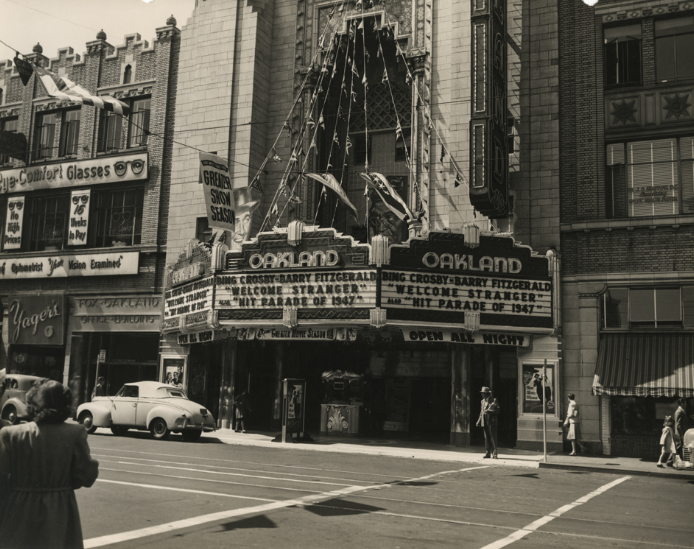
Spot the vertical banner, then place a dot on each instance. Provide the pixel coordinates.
(79, 217)
(12, 239)
(219, 195)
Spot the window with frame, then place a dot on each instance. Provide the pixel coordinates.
(674, 44)
(45, 136)
(650, 178)
(10, 125)
(70, 132)
(622, 52)
(139, 122)
(118, 215)
(648, 308)
(46, 220)
(110, 131)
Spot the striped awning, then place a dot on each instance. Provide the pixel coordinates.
(645, 365)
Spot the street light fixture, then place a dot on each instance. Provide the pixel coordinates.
(588, 2)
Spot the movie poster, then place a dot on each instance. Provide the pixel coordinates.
(533, 389)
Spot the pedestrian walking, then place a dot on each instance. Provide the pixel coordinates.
(242, 409)
(99, 388)
(667, 442)
(574, 424)
(488, 420)
(681, 425)
(42, 463)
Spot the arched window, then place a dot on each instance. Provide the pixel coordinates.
(127, 74)
(1, 96)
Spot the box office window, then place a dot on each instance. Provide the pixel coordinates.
(118, 215)
(70, 133)
(622, 55)
(648, 308)
(46, 220)
(674, 43)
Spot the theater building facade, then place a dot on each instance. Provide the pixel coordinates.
(390, 340)
(83, 216)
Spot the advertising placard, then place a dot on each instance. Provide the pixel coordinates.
(441, 278)
(533, 392)
(69, 265)
(302, 334)
(294, 416)
(478, 338)
(37, 319)
(312, 290)
(115, 314)
(218, 190)
(195, 297)
(76, 173)
(12, 239)
(79, 217)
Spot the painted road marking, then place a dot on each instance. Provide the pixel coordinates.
(158, 461)
(215, 480)
(228, 474)
(155, 487)
(223, 515)
(530, 528)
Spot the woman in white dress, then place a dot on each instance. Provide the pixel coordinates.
(574, 424)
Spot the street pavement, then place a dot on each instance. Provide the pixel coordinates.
(173, 494)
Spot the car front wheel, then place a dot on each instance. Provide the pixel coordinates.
(159, 429)
(10, 414)
(86, 419)
(191, 436)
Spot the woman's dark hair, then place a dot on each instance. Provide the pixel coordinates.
(681, 401)
(49, 402)
(572, 396)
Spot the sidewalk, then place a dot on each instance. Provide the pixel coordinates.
(415, 449)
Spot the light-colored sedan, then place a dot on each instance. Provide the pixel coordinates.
(13, 404)
(147, 405)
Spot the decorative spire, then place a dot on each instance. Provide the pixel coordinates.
(171, 21)
(101, 35)
(37, 48)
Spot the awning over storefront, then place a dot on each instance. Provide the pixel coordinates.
(645, 365)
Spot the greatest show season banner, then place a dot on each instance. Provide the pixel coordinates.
(441, 278)
(219, 195)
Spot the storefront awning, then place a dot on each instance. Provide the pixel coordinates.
(645, 365)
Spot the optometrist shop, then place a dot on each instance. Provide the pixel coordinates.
(391, 341)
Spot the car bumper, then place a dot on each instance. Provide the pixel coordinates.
(192, 425)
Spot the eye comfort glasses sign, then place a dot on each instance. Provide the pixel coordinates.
(112, 169)
(79, 217)
(12, 239)
(219, 194)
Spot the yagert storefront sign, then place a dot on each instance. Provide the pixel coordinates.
(36, 319)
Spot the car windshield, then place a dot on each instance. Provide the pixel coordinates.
(128, 391)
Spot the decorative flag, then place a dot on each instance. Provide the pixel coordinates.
(310, 123)
(255, 184)
(385, 76)
(458, 179)
(390, 197)
(275, 157)
(321, 122)
(443, 153)
(354, 69)
(329, 181)
(348, 145)
(63, 88)
(336, 139)
(24, 68)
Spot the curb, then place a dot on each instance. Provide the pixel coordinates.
(587, 468)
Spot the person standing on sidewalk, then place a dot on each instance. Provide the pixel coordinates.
(242, 408)
(574, 424)
(681, 426)
(488, 421)
(42, 463)
(667, 442)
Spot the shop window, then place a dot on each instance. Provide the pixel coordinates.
(622, 55)
(46, 218)
(139, 122)
(70, 133)
(648, 308)
(10, 125)
(650, 178)
(44, 136)
(118, 216)
(110, 131)
(674, 43)
(402, 146)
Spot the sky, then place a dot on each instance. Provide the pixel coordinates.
(62, 23)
